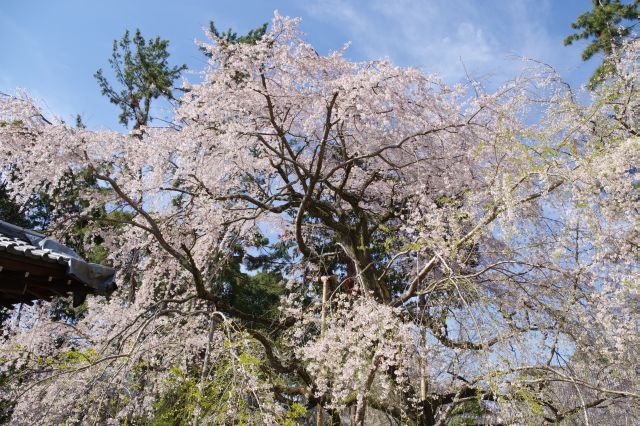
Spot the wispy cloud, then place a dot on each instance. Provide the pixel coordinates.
(441, 36)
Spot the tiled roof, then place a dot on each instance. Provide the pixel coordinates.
(18, 247)
(32, 246)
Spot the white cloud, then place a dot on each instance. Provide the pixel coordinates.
(439, 36)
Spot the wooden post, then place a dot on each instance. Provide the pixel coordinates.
(325, 296)
(323, 325)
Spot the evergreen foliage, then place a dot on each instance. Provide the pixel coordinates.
(607, 24)
(143, 72)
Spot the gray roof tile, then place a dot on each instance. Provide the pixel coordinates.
(19, 241)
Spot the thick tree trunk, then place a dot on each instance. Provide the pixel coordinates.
(367, 273)
(428, 417)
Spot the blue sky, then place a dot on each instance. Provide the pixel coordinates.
(53, 48)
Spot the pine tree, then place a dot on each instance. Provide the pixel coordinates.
(607, 24)
(142, 69)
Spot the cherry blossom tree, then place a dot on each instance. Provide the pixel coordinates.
(452, 254)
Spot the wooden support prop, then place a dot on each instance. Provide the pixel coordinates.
(326, 279)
